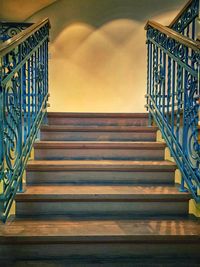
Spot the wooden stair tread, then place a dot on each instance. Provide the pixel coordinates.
(60, 229)
(98, 128)
(108, 192)
(100, 165)
(96, 115)
(99, 144)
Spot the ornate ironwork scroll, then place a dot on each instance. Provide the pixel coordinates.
(23, 102)
(185, 23)
(173, 93)
(9, 29)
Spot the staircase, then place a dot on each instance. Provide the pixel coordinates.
(100, 193)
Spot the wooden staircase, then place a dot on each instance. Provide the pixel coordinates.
(100, 193)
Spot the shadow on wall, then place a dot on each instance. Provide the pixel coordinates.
(98, 53)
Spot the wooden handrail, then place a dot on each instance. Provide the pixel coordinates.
(195, 45)
(13, 23)
(8, 45)
(180, 13)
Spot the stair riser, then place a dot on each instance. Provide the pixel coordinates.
(97, 254)
(98, 154)
(106, 209)
(97, 136)
(98, 121)
(99, 177)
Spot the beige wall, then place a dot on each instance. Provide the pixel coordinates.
(98, 54)
(19, 10)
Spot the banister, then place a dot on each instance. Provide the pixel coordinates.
(180, 13)
(23, 105)
(9, 29)
(173, 34)
(173, 93)
(8, 45)
(188, 19)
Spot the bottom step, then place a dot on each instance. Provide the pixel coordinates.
(103, 241)
(116, 262)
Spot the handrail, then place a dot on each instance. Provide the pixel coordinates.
(8, 45)
(174, 35)
(186, 20)
(180, 13)
(9, 29)
(173, 93)
(23, 105)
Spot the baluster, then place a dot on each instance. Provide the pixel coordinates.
(31, 89)
(23, 82)
(46, 65)
(34, 83)
(173, 114)
(159, 81)
(155, 73)
(29, 96)
(149, 78)
(43, 70)
(169, 84)
(193, 31)
(187, 30)
(179, 102)
(39, 81)
(1, 140)
(32, 86)
(163, 84)
(185, 126)
(150, 70)
(20, 131)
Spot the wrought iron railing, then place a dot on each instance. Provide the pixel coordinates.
(9, 29)
(23, 102)
(173, 91)
(187, 21)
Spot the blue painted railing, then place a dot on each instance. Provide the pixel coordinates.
(187, 20)
(173, 93)
(23, 103)
(9, 29)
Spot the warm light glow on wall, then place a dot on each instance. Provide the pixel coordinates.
(98, 68)
(98, 53)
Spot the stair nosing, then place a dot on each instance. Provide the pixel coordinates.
(97, 165)
(91, 128)
(99, 145)
(96, 115)
(101, 196)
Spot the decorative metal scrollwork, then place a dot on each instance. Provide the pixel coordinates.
(23, 102)
(9, 29)
(185, 23)
(173, 100)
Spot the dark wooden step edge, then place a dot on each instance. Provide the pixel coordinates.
(96, 115)
(51, 166)
(115, 129)
(112, 239)
(101, 198)
(99, 145)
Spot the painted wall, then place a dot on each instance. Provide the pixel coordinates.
(98, 53)
(19, 10)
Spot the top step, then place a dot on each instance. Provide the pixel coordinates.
(121, 119)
